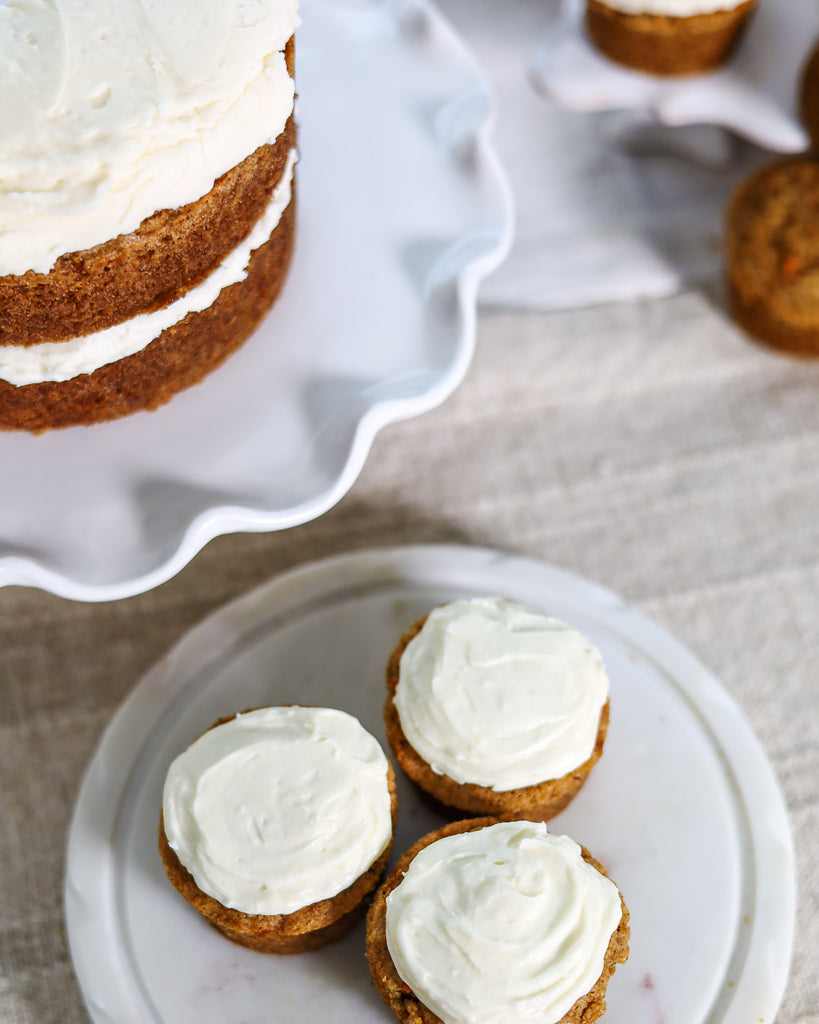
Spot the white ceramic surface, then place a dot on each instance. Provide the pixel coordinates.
(683, 808)
(402, 210)
(754, 94)
(612, 206)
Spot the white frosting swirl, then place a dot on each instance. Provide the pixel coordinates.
(499, 695)
(113, 109)
(673, 8)
(279, 808)
(64, 360)
(505, 925)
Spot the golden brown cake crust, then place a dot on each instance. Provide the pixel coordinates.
(169, 253)
(809, 97)
(539, 802)
(309, 928)
(180, 357)
(664, 45)
(400, 998)
(772, 255)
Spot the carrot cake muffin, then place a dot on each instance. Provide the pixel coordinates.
(486, 921)
(667, 37)
(277, 823)
(146, 183)
(809, 96)
(494, 708)
(772, 255)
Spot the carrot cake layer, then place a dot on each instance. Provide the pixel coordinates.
(146, 171)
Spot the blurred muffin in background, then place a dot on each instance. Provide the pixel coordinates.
(772, 255)
(809, 97)
(667, 37)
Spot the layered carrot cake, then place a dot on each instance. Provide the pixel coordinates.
(147, 156)
(496, 708)
(486, 921)
(667, 37)
(277, 823)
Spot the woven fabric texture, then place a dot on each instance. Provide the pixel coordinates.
(646, 446)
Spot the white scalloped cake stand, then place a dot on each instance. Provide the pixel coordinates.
(754, 95)
(683, 808)
(402, 210)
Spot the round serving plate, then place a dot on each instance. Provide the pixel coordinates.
(754, 95)
(683, 808)
(402, 209)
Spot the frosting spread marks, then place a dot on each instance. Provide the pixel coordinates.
(507, 923)
(279, 808)
(499, 695)
(113, 109)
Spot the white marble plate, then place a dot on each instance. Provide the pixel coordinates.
(754, 95)
(402, 210)
(683, 808)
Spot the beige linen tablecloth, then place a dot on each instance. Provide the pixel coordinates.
(646, 446)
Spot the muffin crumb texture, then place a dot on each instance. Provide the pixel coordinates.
(772, 255)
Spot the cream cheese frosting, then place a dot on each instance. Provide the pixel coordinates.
(504, 925)
(63, 360)
(114, 109)
(279, 808)
(672, 8)
(499, 695)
